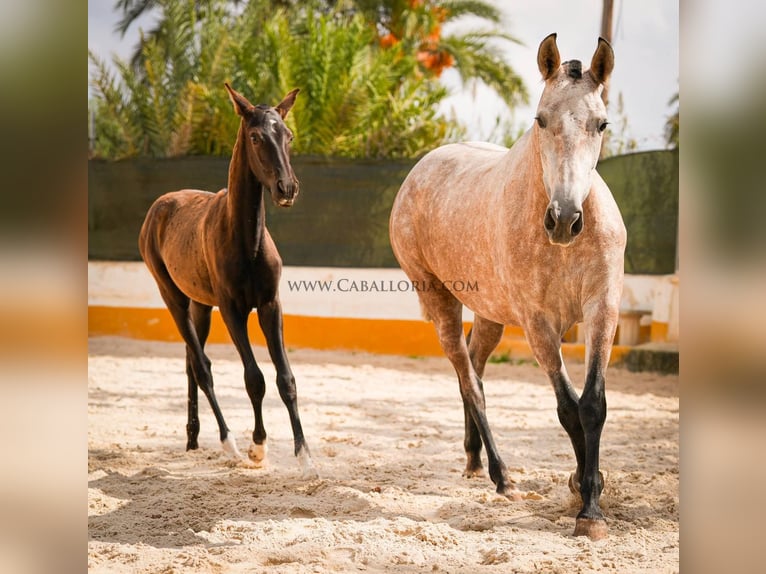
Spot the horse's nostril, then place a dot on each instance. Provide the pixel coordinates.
(288, 188)
(550, 219)
(576, 226)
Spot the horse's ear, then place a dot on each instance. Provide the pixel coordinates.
(287, 103)
(548, 58)
(602, 64)
(241, 105)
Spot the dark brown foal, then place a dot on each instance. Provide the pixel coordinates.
(206, 250)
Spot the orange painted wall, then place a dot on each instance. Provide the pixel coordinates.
(387, 336)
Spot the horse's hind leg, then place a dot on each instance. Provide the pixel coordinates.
(179, 306)
(482, 340)
(446, 312)
(200, 316)
(270, 320)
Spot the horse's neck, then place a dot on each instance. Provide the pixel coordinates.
(245, 205)
(523, 172)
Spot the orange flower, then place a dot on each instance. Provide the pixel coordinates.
(440, 13)
(435, 61)
(435, 33)
(388, 40)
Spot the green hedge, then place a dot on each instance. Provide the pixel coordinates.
(341, 216)
(645, 186)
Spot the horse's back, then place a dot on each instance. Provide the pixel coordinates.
(189, 202)
(171, 241)
(176, 210)
(452, 161)
(438, 192)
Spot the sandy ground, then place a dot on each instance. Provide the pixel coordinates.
(386, 435)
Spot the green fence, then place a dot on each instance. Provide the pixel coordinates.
(645, 186)
(341, 216)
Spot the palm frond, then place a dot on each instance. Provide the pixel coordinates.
(483, 10)
(131, 11)
(477, 59)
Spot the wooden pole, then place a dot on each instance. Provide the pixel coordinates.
(607, 13)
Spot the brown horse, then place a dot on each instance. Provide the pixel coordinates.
(538, 231)
(206, 249)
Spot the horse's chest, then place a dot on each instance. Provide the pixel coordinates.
(262, 283)
(512, 294)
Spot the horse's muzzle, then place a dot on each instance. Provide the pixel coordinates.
(286, 192)
(562, 225)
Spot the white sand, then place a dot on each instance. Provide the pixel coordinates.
(386, 435)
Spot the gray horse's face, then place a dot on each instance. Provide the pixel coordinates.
(571, 118)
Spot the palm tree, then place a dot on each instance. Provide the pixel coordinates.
(159, 108)
(416, 27)
(361, 97)
(412, 26)
(357, 100)
(134, 9)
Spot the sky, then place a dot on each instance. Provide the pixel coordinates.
(645, 42)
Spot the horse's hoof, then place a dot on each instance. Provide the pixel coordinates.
(257, 452)
(511, 493)
(192, 445)
(230, 447)
(595, 529)
(308, 472)
(477, 472)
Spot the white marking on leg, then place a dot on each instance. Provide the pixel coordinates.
(307, 465)
(230, 447)
(258, 452)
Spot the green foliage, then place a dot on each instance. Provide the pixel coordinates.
(157, 106)
(477, 58)
(505, 357)
(358, 98)
(617, 139)
(673, 123)
(497, 358)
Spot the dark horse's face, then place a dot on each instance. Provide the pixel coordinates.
(268, 145)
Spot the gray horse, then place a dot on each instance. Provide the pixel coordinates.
(538, 231)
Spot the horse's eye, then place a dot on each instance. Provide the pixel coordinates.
(602, 126)
(255, 138)
(540, 121)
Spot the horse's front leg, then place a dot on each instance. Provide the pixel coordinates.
(584, 431)
(235, 319)
(270, 320)
(601, 327)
